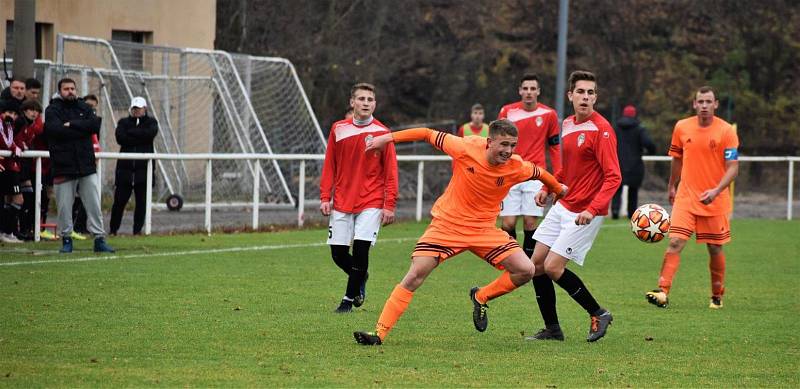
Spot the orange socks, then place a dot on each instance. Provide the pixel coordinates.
(716, 265)
(668, 270)
(395, 306)
(496, 288)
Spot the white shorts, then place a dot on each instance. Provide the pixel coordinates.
(343, 228)
(559, 231)
(521, 200)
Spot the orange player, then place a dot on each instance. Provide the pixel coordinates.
(464, 218)
(704, 163)
(476, 126)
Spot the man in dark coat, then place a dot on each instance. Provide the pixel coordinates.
(69, 126)
(632, 141)
(135, 134)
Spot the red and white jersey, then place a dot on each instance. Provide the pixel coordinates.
(358, 180)
(538, 129)
(591, 168)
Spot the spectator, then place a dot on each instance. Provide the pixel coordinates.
(33, 89)
(633, 140)
(78, 210)
(9, 174)
(69, 126)
(14, 94)
(135, 134)
(28, 126)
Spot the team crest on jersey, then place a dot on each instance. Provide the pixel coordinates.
(500, 181)
(539, 121)
(368, 139)
(712, 144)
(581, 139)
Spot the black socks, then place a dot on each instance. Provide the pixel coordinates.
(573, 285)
(358, 270)
(528, 243)
(546, 298)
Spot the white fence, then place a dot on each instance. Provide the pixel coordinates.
(302, 158)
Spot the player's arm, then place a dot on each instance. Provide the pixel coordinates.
(328, 174)
(554, 142)
(606, 155)
(676, 166)
(731, 171)
(731, 155)
(551, 189)
(390, 185)
(449, 143)
(674, 178)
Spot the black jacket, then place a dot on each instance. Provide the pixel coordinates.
(71, 149)
(632, 139)
(134, 135)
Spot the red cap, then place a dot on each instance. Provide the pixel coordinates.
(629, 111)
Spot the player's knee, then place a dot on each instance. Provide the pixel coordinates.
(529, 272)
(676, 244)
(553, 269)
(714, 249)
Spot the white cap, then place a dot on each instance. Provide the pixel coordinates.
(138, 102)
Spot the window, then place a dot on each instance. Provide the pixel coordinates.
(131, 57)
(44, 40)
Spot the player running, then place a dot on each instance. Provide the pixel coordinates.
(704, 163)
(591, 170)
(484, 169)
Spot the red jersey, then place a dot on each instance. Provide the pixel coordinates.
(591, 168)
(358, 180)
(7, 143)
(537, 129)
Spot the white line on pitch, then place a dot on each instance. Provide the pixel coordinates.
(193, 252)
(181, 253)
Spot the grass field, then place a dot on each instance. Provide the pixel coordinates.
(256, 310)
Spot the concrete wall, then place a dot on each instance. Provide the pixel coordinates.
(179, 23)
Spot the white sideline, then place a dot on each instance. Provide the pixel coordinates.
(181, 253)
(209, 251)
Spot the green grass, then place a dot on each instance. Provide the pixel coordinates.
(264, 317)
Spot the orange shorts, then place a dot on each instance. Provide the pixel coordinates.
(709, 229)
(442, 241)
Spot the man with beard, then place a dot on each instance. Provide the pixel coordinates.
(69, 126)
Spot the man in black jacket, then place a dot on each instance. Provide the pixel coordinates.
(135, 134)
(69, 126)
(633, 139)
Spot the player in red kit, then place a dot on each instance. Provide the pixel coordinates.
(538, 130)
(591, 170)
(364, 187)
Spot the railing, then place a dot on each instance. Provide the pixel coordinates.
(209, 158)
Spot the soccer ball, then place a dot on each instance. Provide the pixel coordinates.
(650, 223)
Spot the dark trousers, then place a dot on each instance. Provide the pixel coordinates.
(122, 193)
(79, 217)
(633, 200)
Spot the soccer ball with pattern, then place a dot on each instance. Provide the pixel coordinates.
(650, 223)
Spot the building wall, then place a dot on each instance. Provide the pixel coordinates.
(179, 23)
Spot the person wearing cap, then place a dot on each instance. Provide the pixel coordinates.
(633, 140)
(69, 125)
(135, 134)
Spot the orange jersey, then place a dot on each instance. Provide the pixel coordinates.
(473, 196)
(704, 151)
